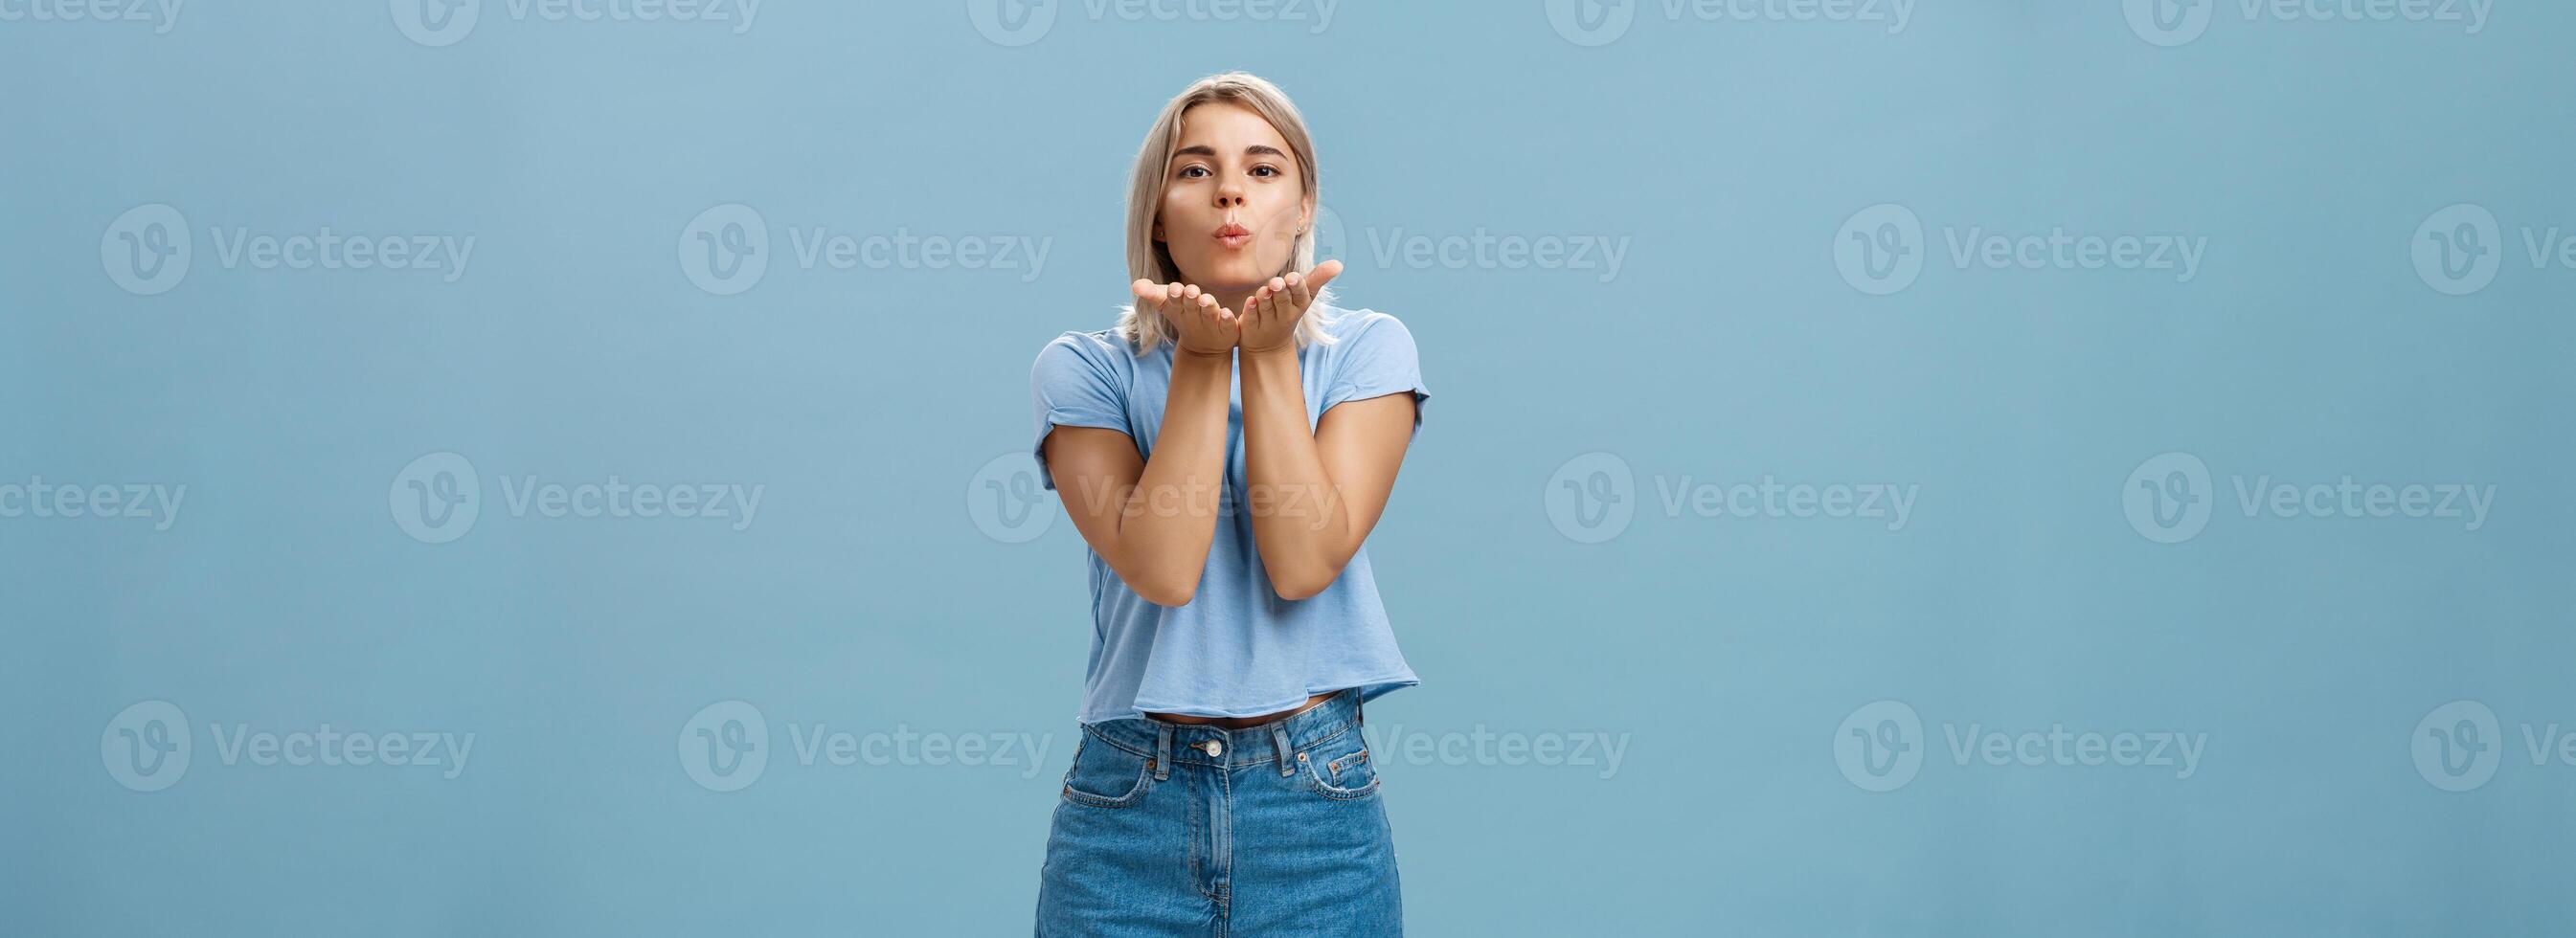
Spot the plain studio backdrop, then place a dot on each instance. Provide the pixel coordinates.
(1974, 468)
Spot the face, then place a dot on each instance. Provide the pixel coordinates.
(1233, 200)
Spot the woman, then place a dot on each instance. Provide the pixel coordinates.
(1222, 784)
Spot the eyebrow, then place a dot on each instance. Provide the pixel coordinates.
(1258, 149)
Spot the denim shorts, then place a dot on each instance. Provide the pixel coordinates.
(1171, 829)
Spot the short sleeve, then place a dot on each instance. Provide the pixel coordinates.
(1378, 359)
(1073, 384)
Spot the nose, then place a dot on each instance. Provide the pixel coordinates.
(1229, 194)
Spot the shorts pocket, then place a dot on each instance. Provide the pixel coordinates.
(1106, 776)
(1340, 768)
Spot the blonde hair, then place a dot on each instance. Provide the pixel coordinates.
(1148, 259)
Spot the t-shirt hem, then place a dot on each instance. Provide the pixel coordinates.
(1394, 682)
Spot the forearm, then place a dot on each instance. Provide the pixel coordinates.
(1168, 521)
(1300, 524)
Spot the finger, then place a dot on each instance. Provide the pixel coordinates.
(1298, 293)
(1322, 274)
(1146, 291)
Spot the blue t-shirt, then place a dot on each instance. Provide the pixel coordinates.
(1236, 649)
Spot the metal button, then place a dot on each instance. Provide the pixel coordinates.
(1214, 748)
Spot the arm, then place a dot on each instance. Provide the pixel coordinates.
(1314, 496)
(1154, 520)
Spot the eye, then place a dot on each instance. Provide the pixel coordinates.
(1265, 169)
(1186, 171)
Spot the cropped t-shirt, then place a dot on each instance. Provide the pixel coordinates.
(1236, 649)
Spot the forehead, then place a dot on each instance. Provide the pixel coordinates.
(1227, 122)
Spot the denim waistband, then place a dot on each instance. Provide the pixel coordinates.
(1167, 743)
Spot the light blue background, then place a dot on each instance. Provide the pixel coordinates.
(867, 596)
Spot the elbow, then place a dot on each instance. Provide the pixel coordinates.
(1167, 588)
(1168, 595)
(1303, 585)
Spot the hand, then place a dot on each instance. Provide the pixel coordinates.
(1205, 328)
(1270, 316)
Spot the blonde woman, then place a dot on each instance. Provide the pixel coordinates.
(1225, 450)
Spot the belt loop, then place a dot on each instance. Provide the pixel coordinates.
(1163, 752)
(1279, 743)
